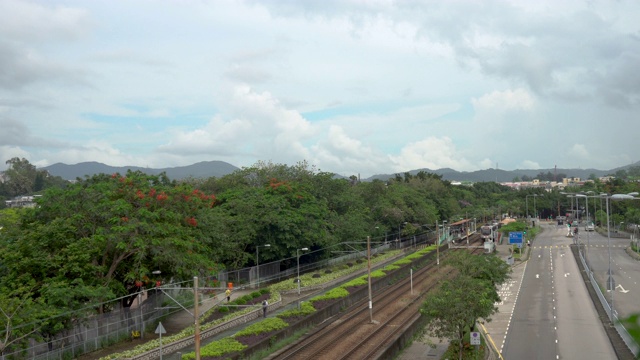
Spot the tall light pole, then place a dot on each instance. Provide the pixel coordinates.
(298, 257)
(369, 278)
(258, 263)
(610, 287)
(535, 212)
(610, 283)
(438, 245)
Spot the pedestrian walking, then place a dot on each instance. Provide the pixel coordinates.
(265, 305)
(228, 294)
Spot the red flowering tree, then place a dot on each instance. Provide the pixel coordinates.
(102, 238)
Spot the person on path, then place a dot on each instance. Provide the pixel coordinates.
(265, 305)
(228, 294)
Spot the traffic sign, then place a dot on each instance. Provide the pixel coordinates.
(160, 329)
(515, 237)
(475, 338)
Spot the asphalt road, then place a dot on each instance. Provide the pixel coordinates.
(625, 270)
(554, 317)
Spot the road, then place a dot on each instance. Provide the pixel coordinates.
(625, 270)
(554, 317)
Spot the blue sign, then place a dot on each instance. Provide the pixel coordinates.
(515, 237)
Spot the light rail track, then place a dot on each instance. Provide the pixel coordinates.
(354, 336)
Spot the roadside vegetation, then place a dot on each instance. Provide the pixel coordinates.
(102, 237)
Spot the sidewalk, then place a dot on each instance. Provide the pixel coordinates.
(173, 324)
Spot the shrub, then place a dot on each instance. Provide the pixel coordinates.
(217, 348)
(390, 267)
(328, 271)
(240, 301)
(306, 308)
(255, 294)
(223, 309)
(246, 298)
(266, 325)
(336, 293)
(356, 282)
(315, 276)
(264, 291)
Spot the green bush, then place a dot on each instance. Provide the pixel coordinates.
(240, 301)
(264, 326)
(306, 308)
(402, 262)
(217, 348)
(264, 291)
(246, 298)
(356, 282)
(255, 294)
(223, 309)
(336, 293)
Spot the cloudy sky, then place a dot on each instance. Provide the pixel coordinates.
(351, 86)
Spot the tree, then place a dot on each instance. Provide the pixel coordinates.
(452, 310)
(485, 267)
(21, 177)
(100, 239)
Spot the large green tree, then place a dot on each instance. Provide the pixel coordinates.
(101, 239)
(453, 309)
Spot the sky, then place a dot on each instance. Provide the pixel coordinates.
(351, 86)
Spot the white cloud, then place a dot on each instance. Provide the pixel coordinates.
(351, 86)
(433, 153)
(579, 151)
(528, 164)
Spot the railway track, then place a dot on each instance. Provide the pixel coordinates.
(355, 336)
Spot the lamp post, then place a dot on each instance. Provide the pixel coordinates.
(400, 233)
(610, 278)
(258, 263)
(298, 257)
(586, 198)
(526, 198)
(610, 283)
(438, 245)
(535, 211)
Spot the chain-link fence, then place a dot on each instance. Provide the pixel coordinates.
(148, 307)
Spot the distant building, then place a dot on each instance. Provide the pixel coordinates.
(22, 201)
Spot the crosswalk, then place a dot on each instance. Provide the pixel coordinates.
(562, 246)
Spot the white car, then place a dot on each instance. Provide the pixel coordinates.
(590, 227)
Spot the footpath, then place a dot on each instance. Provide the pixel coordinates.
(430, 348)
(178, 321)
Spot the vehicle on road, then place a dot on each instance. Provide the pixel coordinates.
(590, 227)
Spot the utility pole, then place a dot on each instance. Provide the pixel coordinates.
(196, 334)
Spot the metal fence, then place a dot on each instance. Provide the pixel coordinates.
(92, 333)
(613, 316)
(95, 332)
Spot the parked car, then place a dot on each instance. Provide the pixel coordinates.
(590, 227)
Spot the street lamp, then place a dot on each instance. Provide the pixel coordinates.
(526, 198)
(298, 257)
(258, 263)
(586, 198)
(535, 211)
(610, 283)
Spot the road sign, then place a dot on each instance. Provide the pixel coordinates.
(475, 338)
(515, 237)
(160, 329)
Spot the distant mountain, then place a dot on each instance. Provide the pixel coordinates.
(498, 175)
(203, 169)
(208, 169)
